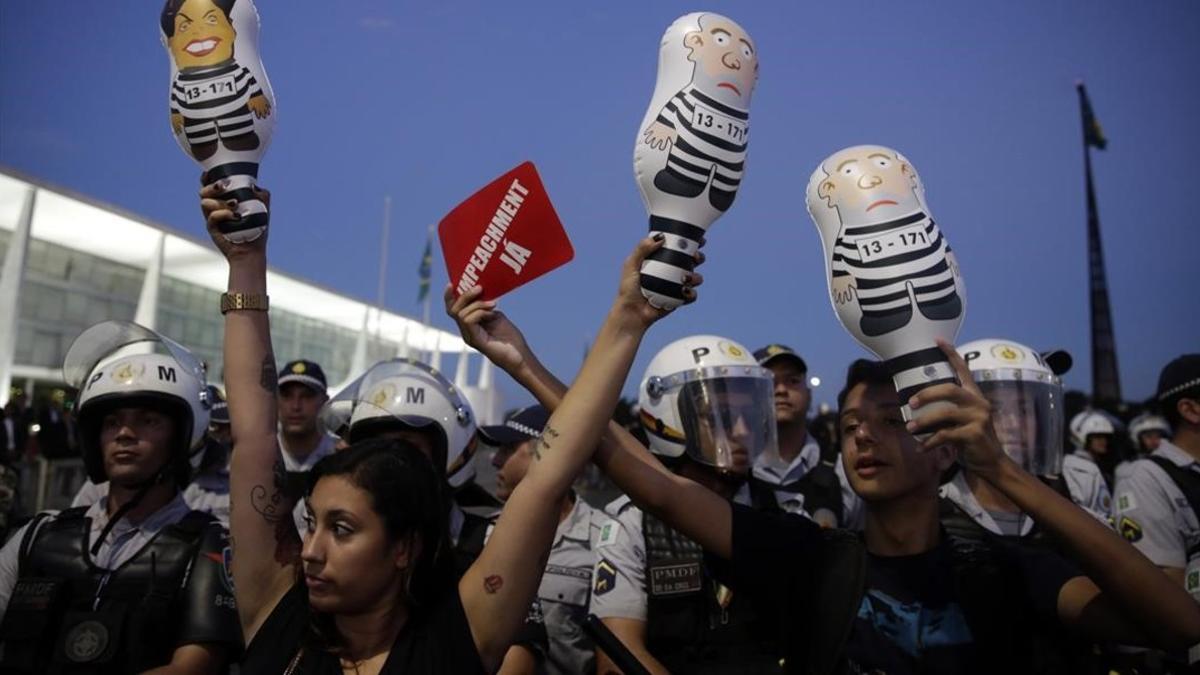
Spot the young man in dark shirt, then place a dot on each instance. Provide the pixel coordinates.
(918, 601)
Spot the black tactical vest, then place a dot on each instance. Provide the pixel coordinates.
(820, 488)
(67, 615)
(692, 625)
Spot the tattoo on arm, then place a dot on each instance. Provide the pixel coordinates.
(493, 583)
(268, 377)
(274, 506)
(542, 442)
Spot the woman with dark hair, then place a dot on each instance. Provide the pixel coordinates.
(371, 589)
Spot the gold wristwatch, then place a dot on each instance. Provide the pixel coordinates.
(254, 301)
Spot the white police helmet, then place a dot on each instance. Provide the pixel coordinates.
(1147, 422)
(1026, 394)
(707, 396)
(407, 393)
(1091, 423)
(118, 364)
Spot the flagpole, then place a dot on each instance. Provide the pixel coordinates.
(1106, 383)
(383, 261)
(429, 292)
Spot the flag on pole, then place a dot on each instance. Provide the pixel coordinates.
(425, 271)
(1093, 135)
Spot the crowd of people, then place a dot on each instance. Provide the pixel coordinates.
(267, 527)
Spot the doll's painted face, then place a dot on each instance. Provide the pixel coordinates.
(725, 58)
(868, 184)
(203, 35)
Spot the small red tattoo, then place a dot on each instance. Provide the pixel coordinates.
(493, 583)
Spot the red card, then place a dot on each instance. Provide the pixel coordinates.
(504, 236)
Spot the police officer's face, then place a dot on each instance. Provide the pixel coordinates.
(512, 462)
(882, 460)
(1150, 440)
(350, 564)
(727, 445)
(299, 406)
(1015, 420)
(792, 396)
(136, 443)
(1097, 444)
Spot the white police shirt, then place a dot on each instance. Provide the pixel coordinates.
(565, 588)
(959, 492)
(1086, 484)
(122, 543)
(208, 493)
(1152, 513)
(619, 579)
(292, 465)
(771, 469)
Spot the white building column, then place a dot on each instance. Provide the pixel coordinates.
(10, 292)
(461, 369)
(147, 307)
(435, 357)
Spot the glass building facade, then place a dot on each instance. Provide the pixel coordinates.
(74, 276)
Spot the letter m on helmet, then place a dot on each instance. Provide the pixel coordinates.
(415, 395)
(166, 374)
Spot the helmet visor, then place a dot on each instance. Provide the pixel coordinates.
(1028, 418)
(728, 421)
(335, 415)
(111, 339)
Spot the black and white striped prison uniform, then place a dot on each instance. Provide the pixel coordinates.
(213, 101)
(706, 142)
(882, 279)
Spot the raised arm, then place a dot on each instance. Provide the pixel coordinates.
(683, 504)
(1124, 597)
(497, 589)
(265, 542)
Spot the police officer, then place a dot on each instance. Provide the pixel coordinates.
(1147, 431)
(302, 441)
(209, 490)
(566, 584)
(707, 407)
(1025, 390)
(1092, 435)
(137, 580)
(1158, 501)
(806, 477)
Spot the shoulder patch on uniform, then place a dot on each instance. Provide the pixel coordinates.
(609, 532)
(1129, 528)
(1126, 502)
(606, 577)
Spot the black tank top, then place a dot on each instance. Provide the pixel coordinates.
(438, 642)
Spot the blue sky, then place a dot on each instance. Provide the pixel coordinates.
(429, 101)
